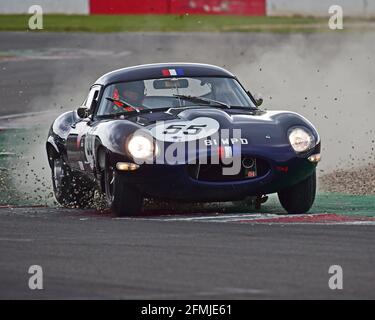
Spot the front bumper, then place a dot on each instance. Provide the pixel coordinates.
(174, 181)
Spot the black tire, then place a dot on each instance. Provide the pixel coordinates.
(71, 189)
(123, 199)
(299, 198)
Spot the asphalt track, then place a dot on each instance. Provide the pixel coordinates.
(199, 254)
(87, 255)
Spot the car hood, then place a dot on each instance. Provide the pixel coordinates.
(259, 128)
(226, 118)
(257, 125)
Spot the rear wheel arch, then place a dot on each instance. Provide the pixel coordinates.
(101, 154)
(52, 153)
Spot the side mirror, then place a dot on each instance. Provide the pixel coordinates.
(83, 112)
(258, 99)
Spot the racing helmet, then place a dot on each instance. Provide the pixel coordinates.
(133, 91)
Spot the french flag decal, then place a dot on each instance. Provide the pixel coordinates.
(172, 72)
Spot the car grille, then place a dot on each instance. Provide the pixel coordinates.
(251, 168)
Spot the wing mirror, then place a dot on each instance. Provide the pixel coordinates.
(258, 99)
(83, 112)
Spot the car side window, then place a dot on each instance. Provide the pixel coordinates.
(93, 96)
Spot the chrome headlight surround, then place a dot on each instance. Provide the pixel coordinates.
(301, 139)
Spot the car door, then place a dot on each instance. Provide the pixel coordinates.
(79, 141)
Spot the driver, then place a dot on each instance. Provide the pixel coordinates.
(130, 92)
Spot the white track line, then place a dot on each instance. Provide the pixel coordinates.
(16, 240)
(247, 218)
(26, 114)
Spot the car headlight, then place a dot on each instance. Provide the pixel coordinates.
(301, 140)
(140, 147)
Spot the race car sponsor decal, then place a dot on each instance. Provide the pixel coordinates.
(89, 145)
(81, 166)
(182, 131)
(172, 72)
(225, 141)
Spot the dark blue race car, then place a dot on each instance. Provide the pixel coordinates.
(180, 131)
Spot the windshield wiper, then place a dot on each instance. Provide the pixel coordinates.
(124, 103)
(244, 108)
(131, 113)
(201, 100)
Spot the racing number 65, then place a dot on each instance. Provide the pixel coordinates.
(193, 129)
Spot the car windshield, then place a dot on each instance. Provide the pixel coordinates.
(173, 92)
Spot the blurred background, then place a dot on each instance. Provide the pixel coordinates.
(358, 8)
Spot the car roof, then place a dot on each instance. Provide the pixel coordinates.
(161, 70)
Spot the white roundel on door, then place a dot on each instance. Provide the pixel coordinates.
(181, 131)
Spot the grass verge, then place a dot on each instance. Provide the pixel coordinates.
(166, 23)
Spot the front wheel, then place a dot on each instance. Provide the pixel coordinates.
(123, 199)
(299, 198)
(71, 189)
